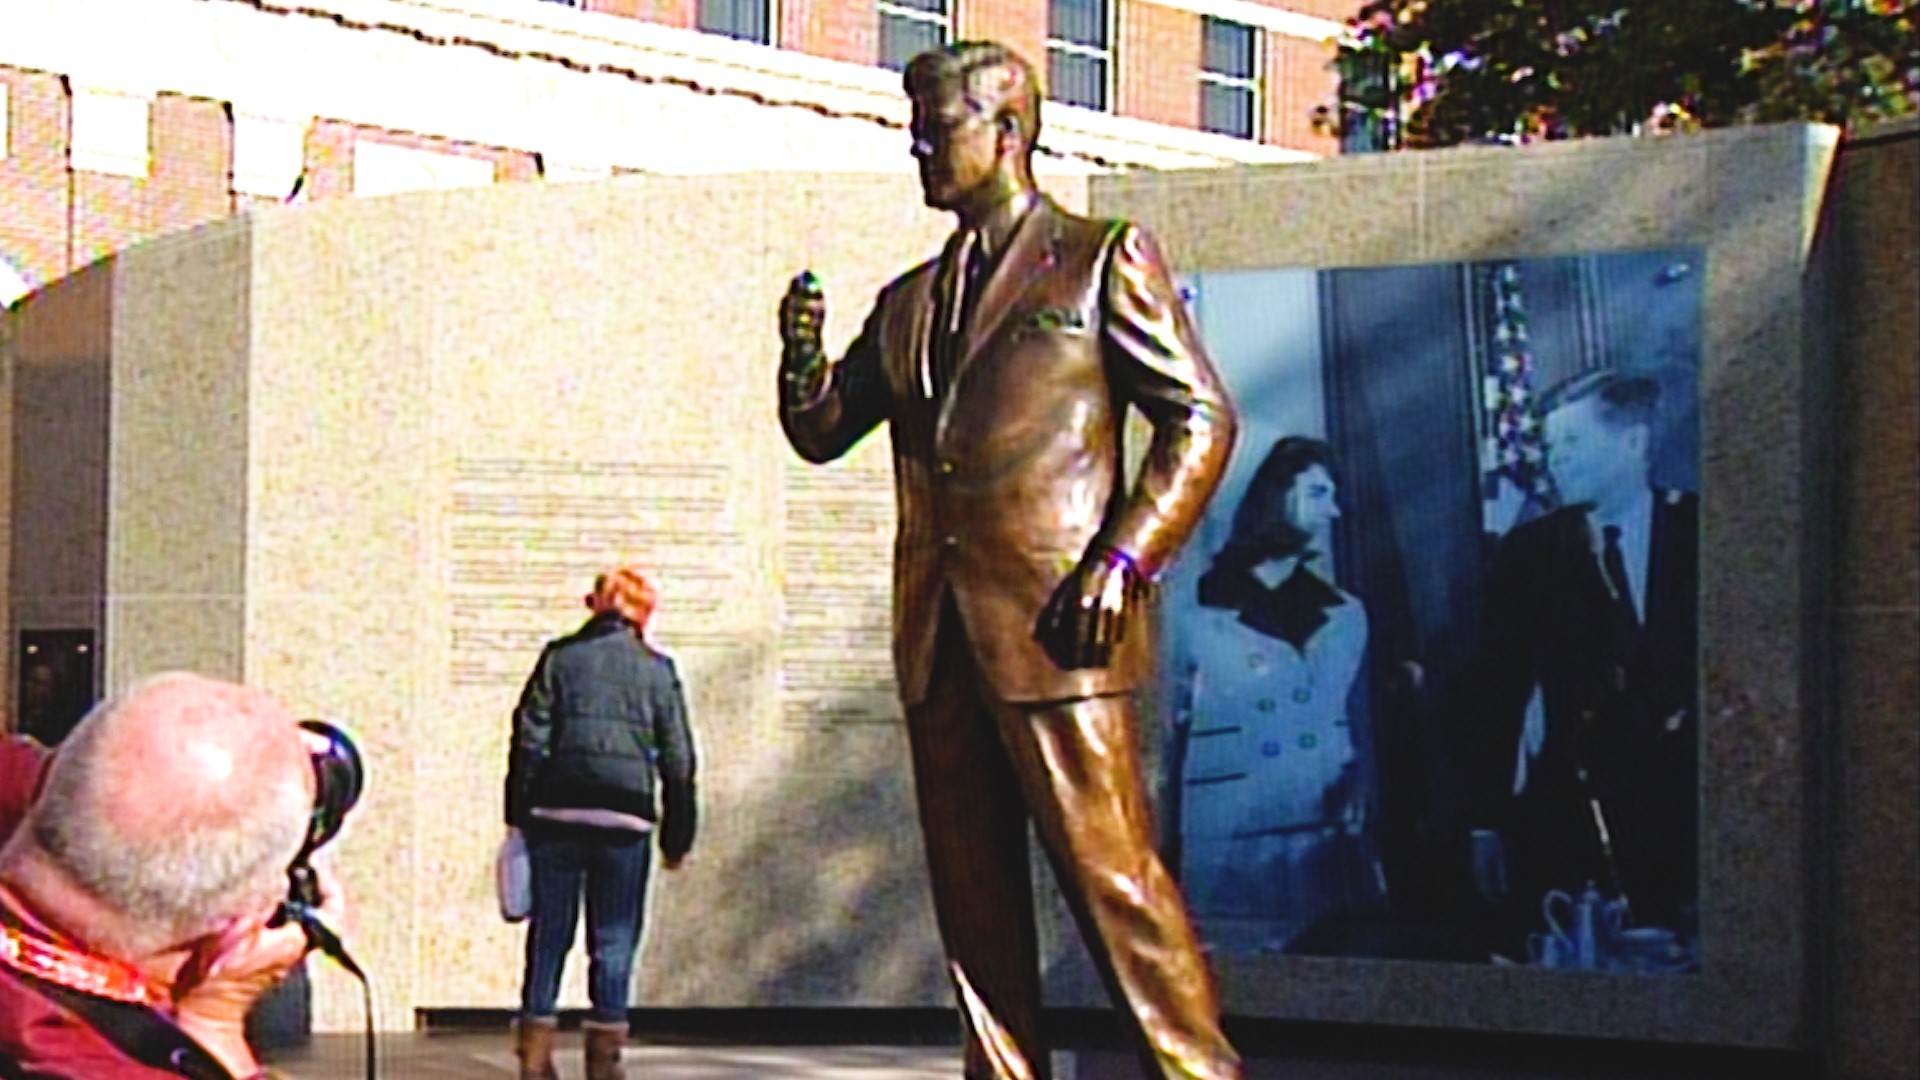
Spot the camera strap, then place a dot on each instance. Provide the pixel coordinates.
(121, 1014)
(50, 959)
(137, 1031)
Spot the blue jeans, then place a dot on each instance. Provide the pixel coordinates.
(611, 865)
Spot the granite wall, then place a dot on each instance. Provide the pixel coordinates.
(1869, 830)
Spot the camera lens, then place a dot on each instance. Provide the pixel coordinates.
(339, 776)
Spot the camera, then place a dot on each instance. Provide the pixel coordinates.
(339, 776)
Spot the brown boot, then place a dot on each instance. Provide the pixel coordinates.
(533, 1045)
(604, 1042)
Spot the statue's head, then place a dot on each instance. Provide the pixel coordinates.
(976, 116)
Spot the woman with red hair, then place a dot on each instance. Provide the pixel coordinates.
(602, 718)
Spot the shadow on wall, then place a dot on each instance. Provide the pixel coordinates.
(811, 882)
(826, 901)
(57, 524)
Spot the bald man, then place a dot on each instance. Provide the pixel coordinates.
(139, 883)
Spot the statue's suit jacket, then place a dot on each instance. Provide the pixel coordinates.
(1006, 479)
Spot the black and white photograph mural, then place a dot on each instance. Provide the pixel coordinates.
(1431, 662)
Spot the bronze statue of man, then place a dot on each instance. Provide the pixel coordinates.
(1004, 369)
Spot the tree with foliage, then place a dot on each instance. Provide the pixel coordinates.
(1422, 73)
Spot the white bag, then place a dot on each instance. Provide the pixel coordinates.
(513, 877)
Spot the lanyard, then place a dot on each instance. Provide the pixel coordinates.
(55, 962)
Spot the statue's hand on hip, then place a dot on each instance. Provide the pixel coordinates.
(1088, 615)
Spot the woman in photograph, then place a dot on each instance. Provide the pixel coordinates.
(1272, 811)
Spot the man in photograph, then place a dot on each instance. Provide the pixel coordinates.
(1592, 607)
(1004, 370)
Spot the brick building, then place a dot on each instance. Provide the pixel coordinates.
(124, 119)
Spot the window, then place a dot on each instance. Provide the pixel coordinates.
(748, 20)
(1080, 52)
(384, 169)
(1229, 78)
(911, 27)
(111, 132)
(1369, 76)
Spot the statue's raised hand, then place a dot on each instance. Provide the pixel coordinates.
(803, 313)
(803, 360)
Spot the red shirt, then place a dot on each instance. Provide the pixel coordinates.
(21, 766)
(40, 1040)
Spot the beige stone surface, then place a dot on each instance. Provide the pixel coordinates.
(1874, 854)
(177, 497)
(1876, 217)
(1873, 982)
(53, 431)
(404, 352)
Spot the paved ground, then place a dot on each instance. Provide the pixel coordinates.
(489, 1056)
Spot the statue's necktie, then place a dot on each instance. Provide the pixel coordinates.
(1616, 567)
(962, 281)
